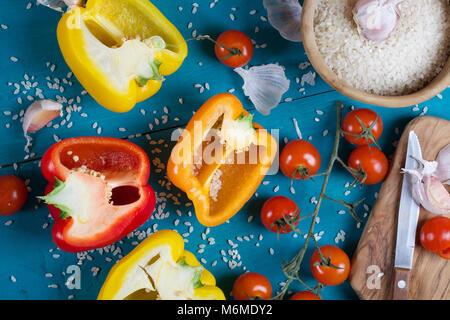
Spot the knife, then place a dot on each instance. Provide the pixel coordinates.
(408, 215)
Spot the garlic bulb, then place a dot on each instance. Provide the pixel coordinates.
(429, 180)
(58, 5)
(376, 19)
(264, 85)
(285, 16)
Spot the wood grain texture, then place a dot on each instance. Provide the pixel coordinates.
(400, 285)
(372, 264)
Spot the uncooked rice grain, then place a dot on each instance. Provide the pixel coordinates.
(412, 57)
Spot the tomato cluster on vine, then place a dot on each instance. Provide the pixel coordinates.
(300, 160)
(362, 128)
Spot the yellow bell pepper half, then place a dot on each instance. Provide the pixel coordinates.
(120, 50)
(160, 269)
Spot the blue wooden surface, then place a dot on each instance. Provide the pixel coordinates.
(33, 268)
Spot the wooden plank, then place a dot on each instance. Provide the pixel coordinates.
(430, 274)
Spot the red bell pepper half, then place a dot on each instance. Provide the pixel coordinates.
(97, 191)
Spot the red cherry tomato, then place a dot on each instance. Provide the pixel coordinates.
(338, 270)
(305, 295)
(236, 41)
(352, 126)
(250, 286)
(273, 211)
(372, 161)
(435, 236)
(298, 159)
(13, 195)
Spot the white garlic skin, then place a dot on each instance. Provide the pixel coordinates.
(376, 19)
(264, 85)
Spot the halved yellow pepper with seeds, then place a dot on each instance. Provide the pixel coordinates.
(160, 269)
(120, 50)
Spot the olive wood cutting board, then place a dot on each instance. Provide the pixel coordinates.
(371, 274)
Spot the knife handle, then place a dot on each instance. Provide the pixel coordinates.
(401, 284)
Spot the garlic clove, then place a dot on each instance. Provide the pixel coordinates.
(435, 197)
(443, 168)
(38, 115)
(376, 19)
(428, 187)
(285, 16)
(264, 85)
(74, 3)
(419, 194)
(59, 5)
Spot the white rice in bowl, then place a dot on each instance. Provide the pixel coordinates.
(412, 57)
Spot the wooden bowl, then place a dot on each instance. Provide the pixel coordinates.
(441, 82)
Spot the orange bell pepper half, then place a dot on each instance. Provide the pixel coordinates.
(221, 159)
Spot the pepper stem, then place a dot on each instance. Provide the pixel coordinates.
(64, 211)
(154, 65)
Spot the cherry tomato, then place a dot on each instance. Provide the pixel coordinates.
(352, 126)
(236, 41)
(250, 286)
(435, 236)
(372, 161)
(13, 195)
(338, 269)
(298, 159)
(273, 211)
(305, 295)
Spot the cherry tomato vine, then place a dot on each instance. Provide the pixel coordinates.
(334, 263)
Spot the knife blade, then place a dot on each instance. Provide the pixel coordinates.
(408, 215)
